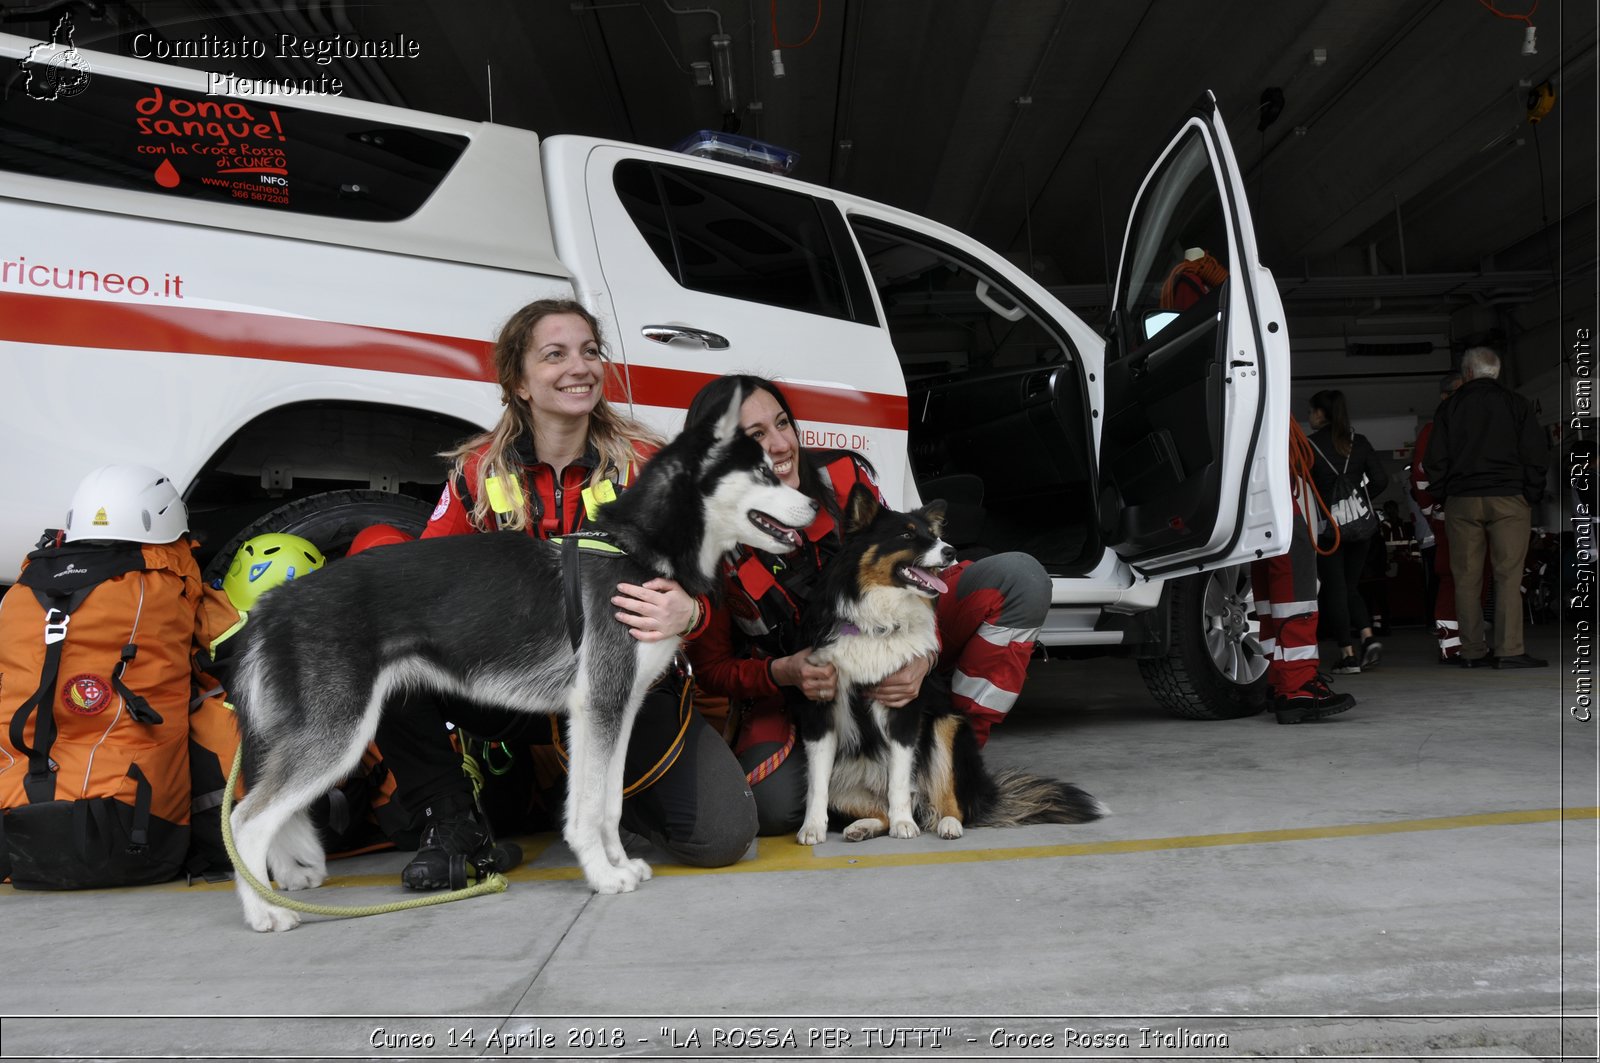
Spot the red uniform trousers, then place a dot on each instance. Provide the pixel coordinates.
(988, 621)
(1285, 589)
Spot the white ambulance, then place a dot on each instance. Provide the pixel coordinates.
(286, 303)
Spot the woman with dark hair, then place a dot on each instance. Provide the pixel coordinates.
(1341, 450)
(988, 617)
(559, 449)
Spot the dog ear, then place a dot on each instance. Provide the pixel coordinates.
(860, 509)
(934, 512)
(728, 424)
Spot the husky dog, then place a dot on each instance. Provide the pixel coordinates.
(916, 767)
(485, 617)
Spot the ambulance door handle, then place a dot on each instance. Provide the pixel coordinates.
(667, 333)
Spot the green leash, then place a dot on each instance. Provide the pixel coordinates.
(494, 883)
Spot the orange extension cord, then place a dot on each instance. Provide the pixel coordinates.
(1306, 497)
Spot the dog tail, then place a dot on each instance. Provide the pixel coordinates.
(1024, 798)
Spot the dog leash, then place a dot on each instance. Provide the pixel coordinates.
(661, 766)
(772, 763)
(1302, 458)
(494, 882)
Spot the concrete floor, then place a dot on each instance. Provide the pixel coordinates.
(1415, 878)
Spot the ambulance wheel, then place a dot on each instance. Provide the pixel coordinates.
(330, 520)
(1213, 667)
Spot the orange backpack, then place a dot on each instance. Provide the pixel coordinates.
(95, 680)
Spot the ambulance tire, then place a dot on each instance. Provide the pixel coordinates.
(1212, 667)
(330, 520)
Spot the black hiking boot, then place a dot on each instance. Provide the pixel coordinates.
(453, 844)
(1314, 701)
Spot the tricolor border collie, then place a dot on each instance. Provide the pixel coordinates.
(915, 768)
(483, 617)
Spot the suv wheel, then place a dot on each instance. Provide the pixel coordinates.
(1214, 667)
(330, 519)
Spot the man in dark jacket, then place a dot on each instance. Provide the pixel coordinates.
(1486, 461)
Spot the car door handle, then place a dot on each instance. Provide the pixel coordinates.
(667, 333)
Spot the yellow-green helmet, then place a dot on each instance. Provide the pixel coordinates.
(265, 562)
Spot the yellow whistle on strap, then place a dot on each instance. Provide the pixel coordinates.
(597, 496)
(505, 493)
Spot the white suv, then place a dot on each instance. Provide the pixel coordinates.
(318, 280)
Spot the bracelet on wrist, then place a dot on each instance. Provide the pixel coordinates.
(694, 618)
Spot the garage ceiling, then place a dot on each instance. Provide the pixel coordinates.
(1401, 182)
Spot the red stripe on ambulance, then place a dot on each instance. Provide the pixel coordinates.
(98, 323)
(237, 334)
(813, 405)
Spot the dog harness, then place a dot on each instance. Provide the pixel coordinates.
(572, 547)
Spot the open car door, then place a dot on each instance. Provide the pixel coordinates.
(1194, 449)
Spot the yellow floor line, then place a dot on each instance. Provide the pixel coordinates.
(784, 854)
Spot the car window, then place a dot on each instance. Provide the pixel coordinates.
(1177, 264)
(740, 239)
(946, 318)
(122, 133)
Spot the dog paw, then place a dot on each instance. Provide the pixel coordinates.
(640, 869)
(812, 834)
(862, 829)
(949, 827)
(301, 877)
(614, 880)
(271, 919)
(904, 828)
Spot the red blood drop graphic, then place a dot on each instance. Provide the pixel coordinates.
(167, 174)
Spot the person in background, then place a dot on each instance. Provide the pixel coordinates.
(1377, 570)
(1436, 560)
(1487, 459)
(1340, 449)
(1285, 592)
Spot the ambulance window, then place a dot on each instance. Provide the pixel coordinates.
(737, 239)
(127, 134)
(636, 187)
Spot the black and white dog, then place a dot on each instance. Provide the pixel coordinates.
(917, 767)
(482, 616)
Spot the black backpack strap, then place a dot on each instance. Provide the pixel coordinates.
(104, 821)
(61, 579)
(138, 707)
(143, 793)
(339, 815)
(40, 781)
(468, 502)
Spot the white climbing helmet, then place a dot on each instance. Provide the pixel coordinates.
(131, 503)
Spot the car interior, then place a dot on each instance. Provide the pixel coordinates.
(986, 376)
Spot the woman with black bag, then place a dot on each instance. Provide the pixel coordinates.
(1347, 474)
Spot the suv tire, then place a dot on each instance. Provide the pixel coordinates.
(1213, 667)
(330, 520)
